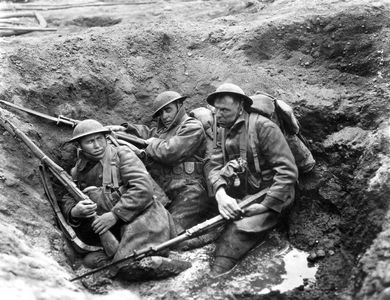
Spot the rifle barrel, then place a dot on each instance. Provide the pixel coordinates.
(202, 227)
(72, 122)
(58, 119)
(131, 139)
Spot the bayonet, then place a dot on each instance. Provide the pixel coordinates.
(60, 119)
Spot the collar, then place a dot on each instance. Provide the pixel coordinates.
(179, 118)
(86, 159)
(238, 123)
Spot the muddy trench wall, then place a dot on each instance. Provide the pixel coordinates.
(332, 68)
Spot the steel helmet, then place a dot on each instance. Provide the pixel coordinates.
(229, 88)
(164, 99)
(87, 127)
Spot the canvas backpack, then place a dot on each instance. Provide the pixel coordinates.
(282, 114)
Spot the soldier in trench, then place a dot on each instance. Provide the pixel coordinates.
(121, 202)
(240, 167)
(175, 157)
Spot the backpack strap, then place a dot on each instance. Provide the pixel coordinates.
(252, 139)
(244, 142)
(215, 133)
(110, 178)
(223, 141)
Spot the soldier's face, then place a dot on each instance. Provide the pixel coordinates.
(94, 144)
(227, 110)
(168, 113)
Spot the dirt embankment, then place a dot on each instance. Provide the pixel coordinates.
(328, 59)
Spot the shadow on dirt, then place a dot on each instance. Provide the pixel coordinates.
(348, 43)
(94, 22)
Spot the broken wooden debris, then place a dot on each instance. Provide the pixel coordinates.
(17, 30)
(67, 6)
(21, 28)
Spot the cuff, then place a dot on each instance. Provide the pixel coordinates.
(218, 183)
(273, 203)
(74, 222)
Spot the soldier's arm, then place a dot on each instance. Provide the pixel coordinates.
(141, 131)
(215, 164)
(137, 194)
(227, 206)
(273, 145)
(179, 147)
(66, 203)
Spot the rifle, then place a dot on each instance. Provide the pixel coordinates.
(189, 233)
(108, 240)
(60, 119)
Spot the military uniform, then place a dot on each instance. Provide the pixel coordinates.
(132, 202)
(270, 163)
(176, 163)
(123, 187)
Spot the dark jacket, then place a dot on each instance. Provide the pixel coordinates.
(275, 159)
(143, 220)
(183, 141)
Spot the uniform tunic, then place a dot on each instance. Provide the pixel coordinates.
(278, 169)
(176, 163)
(142, 221)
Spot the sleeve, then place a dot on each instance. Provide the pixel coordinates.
(137, 193)
(214, 166)
(66, 204)
(178, 148)
(277, 155)
(141, 131)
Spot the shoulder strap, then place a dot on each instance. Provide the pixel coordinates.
(110, 177)
(223, 141)
(215, 128)
(252, 139)
(244, 141)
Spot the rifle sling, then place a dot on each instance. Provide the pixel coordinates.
(64, 226)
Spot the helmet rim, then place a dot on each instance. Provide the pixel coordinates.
(87, 131)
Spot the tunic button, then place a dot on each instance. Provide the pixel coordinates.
(100, 176)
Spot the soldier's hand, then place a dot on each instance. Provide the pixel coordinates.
(255, 209)
(84, 209)
(104, 222)
(116, 128)
(227, 206)
(149, 140)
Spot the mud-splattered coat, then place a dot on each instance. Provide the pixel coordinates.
(278, 169)
(177, 156)
(142, 221)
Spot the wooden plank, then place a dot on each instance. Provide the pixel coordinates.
(57, 7)
(20, 28)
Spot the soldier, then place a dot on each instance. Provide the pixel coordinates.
(176, 149)
(121, 202)
(252, 155)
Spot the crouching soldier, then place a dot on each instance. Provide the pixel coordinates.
(176, 149)
(253, 155)
(120, 206)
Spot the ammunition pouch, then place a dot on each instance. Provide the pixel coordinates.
(241, 180)
(187, 168)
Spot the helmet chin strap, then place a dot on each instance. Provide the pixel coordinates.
(179, 105)
(239, 112)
